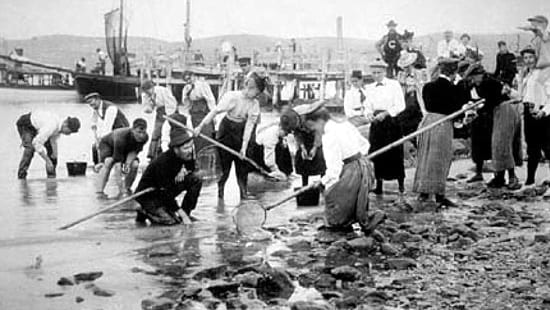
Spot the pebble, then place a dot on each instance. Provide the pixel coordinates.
(161, 303)
(87, 276)
(79, 299)
(211, 273)
(388, 249)
(346, 273)
(64, 281)
(400, 263)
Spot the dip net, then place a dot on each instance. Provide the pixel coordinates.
(249, 217)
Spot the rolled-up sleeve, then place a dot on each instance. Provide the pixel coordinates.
(45, 132)
(333, 159)
(170, 103)
(225, 104)
(398, 100)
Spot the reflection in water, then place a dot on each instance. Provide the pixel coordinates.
(51, 189)
(26, 194)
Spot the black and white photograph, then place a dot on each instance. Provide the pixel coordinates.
(275, 154)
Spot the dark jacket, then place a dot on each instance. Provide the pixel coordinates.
(161, 174)
(442, 97)
(506, 67)
(490, 90)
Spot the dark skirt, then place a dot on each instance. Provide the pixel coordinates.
(411, 116)
(305, 167)
(389, 165)
(315, 166)
(283, 159)
(230, 134)
(199, 109)
(481, 132)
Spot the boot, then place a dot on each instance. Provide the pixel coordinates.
(444, 201)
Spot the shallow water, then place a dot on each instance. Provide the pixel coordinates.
(32, 210)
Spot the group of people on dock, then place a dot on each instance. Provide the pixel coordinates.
(400, 99)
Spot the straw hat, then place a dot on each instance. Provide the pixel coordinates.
(406, 59)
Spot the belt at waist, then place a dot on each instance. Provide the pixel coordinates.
(352, 158)
(234, 119)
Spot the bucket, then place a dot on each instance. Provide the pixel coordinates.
(76, 168)
(309, 198)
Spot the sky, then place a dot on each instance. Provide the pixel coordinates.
(163, 19)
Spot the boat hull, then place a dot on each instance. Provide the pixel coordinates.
(112, 88)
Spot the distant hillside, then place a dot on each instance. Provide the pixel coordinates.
(64, 50)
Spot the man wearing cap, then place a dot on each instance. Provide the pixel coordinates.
(536, 128)
(389, 48)
(384, 101)
(170, 174)
(506, 67)
(441, 98)
(106, 117)
(449, 47)
(39, 131)
(198, 100)
(467, 51)
(354, 100)
(505, 130)
(121, 146)
(160, 100)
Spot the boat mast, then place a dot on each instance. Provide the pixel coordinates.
(187, 33)
(120, 36)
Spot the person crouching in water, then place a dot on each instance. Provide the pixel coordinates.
(170, 174)
(309, 159)
(236, 129)
(270, 151)
(121, 146)
(348, 177)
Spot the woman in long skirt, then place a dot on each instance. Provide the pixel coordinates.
(236, 129)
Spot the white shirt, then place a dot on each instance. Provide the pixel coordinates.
(340, 141)
(101, 56)
(463, 48)
(49, 127)
(352, 102)
(165, 133)
(387, 97)
(162, 97)
(201, 90)
(268, 137)
(447, 49)
(534, 92)
(104, 123)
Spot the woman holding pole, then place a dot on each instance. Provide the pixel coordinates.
(236, 129)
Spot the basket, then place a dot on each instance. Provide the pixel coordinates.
(76, 168)
(309, 198)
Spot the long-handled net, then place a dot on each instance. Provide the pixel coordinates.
(250, 216)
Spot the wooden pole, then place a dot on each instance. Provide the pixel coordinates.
(384, 149)
(220, 145)
(424, 129)
(111, 207)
